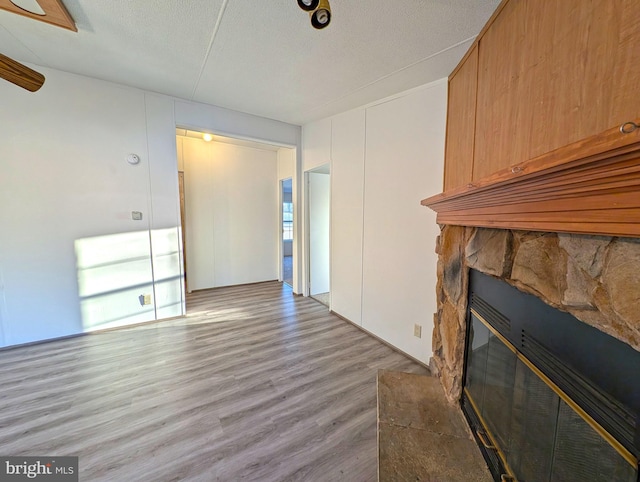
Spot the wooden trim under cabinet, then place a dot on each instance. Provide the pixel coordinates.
(591, 187)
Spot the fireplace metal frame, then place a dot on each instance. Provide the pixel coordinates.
(598, 389)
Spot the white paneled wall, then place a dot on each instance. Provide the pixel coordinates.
(347, 210)
(227, 122)
(72, 258)
(196, 159)
(286, 163)
(316, 142)
(165, 208)
(319, 232)
(231, 214)
(385, 158)
(404, 164)
(67, 196)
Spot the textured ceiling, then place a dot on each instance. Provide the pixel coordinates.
(256, 56)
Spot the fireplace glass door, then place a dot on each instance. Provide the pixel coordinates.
(525, 424)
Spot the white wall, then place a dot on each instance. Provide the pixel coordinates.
(231, 214)
(347, 211)
(68, 243)
(316, 152)
(385, 158)
(179, 147)
(166, 240)
(404, 163)
(316, 144)
(286, 163)
(204, 117)
(199, 232)
(66, 196)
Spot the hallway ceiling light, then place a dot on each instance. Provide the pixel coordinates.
(207, 137)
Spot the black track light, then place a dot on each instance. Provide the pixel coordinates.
(308, 5)
(321, 17)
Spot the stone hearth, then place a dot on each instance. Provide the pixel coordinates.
(420, 436)
(595, 278)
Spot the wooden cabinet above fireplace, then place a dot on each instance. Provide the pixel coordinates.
(547, 82)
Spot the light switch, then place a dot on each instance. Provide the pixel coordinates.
(136, 215)
(144, 300)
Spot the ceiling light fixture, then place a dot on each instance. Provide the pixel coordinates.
(48, 11)
(308, 5)
(207, 137)
(321, 17)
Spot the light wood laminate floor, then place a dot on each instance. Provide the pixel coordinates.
(254, 384)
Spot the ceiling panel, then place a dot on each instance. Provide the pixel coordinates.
(158, 46)
(283, 68)
(266, 58)
(428, 70)
(9, 45)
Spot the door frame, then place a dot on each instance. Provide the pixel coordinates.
(307, 226)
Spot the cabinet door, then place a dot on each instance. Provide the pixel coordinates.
(625, 101)
(584, 66)
(551, 73)
(461, 118)
(503, 118)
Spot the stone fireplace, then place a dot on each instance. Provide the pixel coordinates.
(594, 278)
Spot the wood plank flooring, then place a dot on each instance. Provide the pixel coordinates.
(254, 384)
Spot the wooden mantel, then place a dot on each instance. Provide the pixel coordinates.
(589, 187)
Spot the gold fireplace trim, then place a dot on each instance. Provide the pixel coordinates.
(496, 447)
(618, 447)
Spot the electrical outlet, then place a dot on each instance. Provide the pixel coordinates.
(417, 330)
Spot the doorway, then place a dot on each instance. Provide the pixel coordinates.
(228, 207)
(318, 183)
(287, 230)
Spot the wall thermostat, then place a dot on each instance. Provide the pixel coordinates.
(133, 159)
